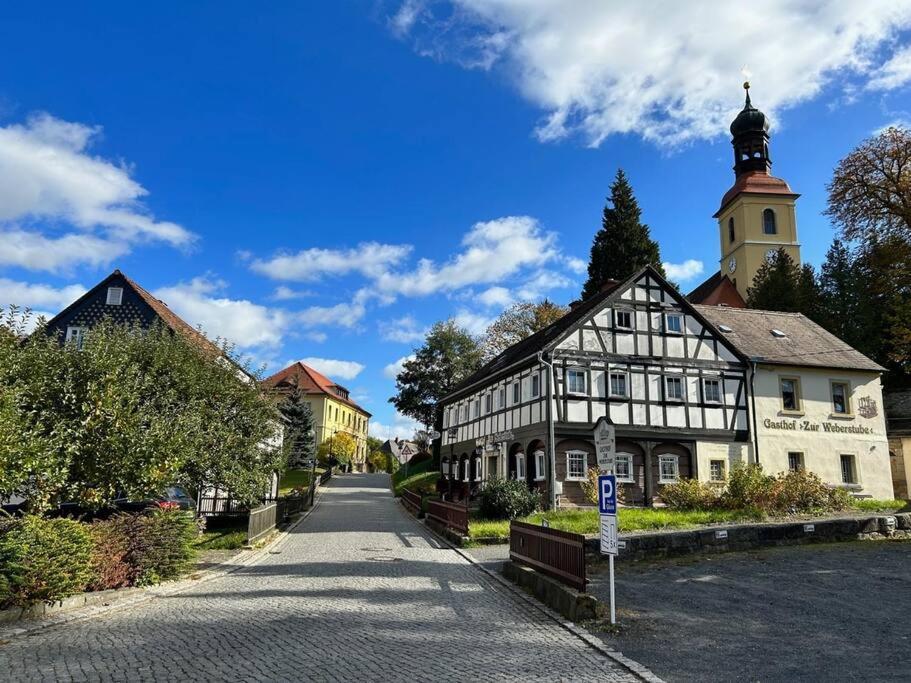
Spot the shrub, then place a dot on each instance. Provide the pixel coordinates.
(162, 546)
(690, 494)
(803, 491)
(749, 486)
(590, 486)
(43, 560)
(110, 553)
(507, 499)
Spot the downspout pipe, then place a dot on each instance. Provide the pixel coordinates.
(753, 366)
(551, 446)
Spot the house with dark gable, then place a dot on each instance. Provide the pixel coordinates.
(637, 353)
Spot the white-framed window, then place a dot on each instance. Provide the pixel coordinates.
(619, 384)
(115, 296)
(623, 319)
(76, 334)
(841, 398)
(502, 402)
(668, 469)
(795, 461)
(477, 468)
(466, 469)
(516, 393)
(476, 408)
(540, 467)
(465, 413)
(444, 465)
(576, 465)
(448, 419)
(673, 388)
(575, 381)
(535, 385)
(623, 467)
(711, 390)
(520, 465)
(848, 470)
(717, 470)
(673, 323)
(488, 403)
(790, 393)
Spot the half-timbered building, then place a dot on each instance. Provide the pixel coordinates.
(637, 353)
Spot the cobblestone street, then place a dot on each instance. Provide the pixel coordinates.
(358, 592)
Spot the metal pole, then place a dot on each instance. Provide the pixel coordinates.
(613, 609)
(551, 446)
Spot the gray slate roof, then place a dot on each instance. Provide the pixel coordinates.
(898, 411)
(805, 343)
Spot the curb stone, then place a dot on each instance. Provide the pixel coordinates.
(142, 595)
(595, 643)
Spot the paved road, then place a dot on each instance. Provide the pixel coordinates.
(837, 612)
(359, 592)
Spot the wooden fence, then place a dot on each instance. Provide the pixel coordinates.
(412, 501)
(262, 521)
(559, 554)
(453, 516)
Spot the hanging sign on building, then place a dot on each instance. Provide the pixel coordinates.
(605, 445)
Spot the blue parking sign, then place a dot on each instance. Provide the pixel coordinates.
(607, 494)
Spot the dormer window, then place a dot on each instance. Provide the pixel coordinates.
(768, 222)
(115, 296)
(778, 333)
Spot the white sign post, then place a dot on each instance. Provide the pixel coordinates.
(607, 507)
(605, 445)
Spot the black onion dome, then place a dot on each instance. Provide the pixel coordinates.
(750, 119)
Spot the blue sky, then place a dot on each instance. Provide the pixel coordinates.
(325, 180)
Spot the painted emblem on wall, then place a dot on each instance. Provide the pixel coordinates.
(866, 407)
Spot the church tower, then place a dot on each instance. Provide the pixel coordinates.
(757, 214)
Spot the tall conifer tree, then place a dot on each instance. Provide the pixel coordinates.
(623, 245)
(302, 444)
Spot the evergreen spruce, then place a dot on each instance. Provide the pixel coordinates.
(778, 286)
(301, 443)
(623, 245)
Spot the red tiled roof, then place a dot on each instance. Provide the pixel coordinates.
(756, 182)
(311, 381)
(717, 290)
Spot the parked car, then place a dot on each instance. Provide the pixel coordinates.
(173, 496)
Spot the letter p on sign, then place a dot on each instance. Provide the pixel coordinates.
(607, 494)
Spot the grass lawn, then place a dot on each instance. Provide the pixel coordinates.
(224, 538)
(293, 479)
(422, 478)
(872, 505)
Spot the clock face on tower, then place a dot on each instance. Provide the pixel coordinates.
(770, 254)
(732, 265)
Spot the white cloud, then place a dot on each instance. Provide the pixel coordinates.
(318, 337)
(241, 322)
(48, 175)
(405, 330)
(283, 293)
(340, 315)
(475, 323)
(495, 296)
(493, 251)
(336, 369)
(535, 288)
(681, 272)
(369, 259)
(402, 427)
(35, 296)
(668, 71)
(392, 370)
(408, 13)
(895, 73)
(576, 265)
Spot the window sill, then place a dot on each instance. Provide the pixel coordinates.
(791, 413)
(539, 478)
(576, 479)
(850, 487)
(624, 330)
(626, 481)
(613, 397)
(582, 394)
(668, 481)
(841, 416)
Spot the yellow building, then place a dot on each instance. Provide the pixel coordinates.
(334, 411)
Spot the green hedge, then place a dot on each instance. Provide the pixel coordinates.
(45, 560)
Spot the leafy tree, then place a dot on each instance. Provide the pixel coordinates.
(340, 446)
(623, 245)
(300, 440)
(374, 444)
(519, 322)
(448, 355)
(131, 412)
(870, 190)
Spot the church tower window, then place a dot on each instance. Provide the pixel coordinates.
(768, 222)
(731, 229)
